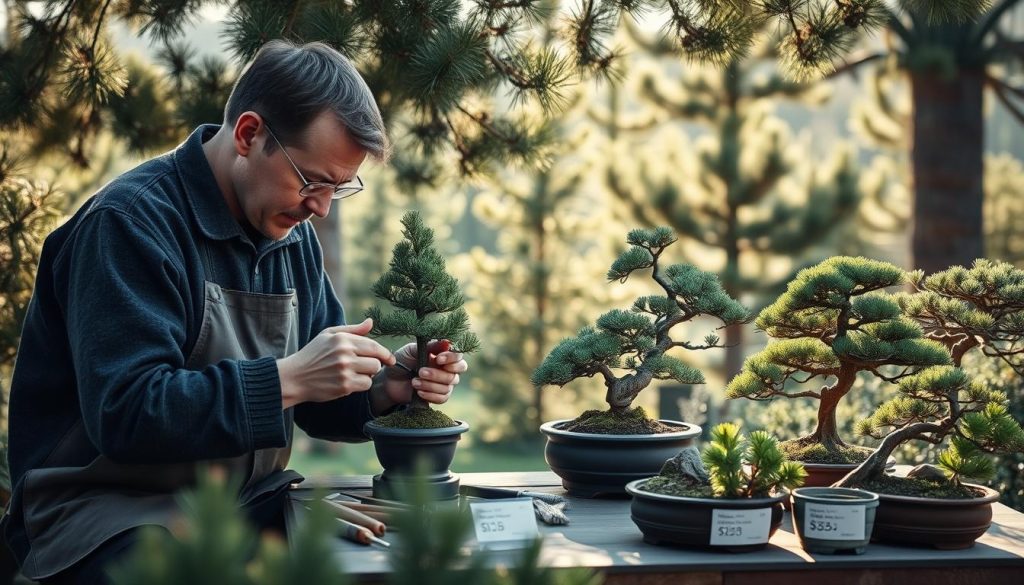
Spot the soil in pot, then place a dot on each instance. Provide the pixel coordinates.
(405, 452)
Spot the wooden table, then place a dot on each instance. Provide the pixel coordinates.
(602, 537)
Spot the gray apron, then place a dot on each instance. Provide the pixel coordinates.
(69, 511)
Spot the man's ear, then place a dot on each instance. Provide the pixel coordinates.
(245, 132)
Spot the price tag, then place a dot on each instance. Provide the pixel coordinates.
(740, 526)
(504, 523)
(833, 522)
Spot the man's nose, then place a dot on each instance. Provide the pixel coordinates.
(318, 206)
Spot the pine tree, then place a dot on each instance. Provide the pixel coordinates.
(745, 195)
(426, 299)
(638, 340)
(834, 321)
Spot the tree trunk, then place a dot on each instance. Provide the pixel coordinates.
(947, 166)
(827, 431)
(623, 391)
(874, 466)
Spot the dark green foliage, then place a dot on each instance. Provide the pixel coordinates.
(638, 340)
(426, 299)
(834, 321)
(738, 467)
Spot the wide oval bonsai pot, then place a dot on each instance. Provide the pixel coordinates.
(830, 520)
(686, 521)
(947, 524)
(592, 464)
(405, 452)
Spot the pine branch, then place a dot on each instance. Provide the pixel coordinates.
(852, 67)
(991, 19)
(1001, 89)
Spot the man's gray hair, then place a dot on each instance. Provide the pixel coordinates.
(289, 85)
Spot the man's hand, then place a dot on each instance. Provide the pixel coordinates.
(337, 362)
(433, 383)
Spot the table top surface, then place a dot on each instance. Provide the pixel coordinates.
(601, 535)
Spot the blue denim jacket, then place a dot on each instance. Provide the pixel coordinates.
(117, 309)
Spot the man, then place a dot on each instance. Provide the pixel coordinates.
(183, 316)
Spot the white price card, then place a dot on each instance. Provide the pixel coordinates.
(504, 523)
(833, 522)
(739, 527)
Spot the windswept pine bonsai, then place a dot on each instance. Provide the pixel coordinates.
(978, 310)
(428, 306)
(934, 404)
(833, 322)
(735, 468)
(638, 340)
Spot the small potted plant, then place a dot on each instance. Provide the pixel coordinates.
(428, 306)
(599, 452)
(833, 323)
(728, 498)
(978, 310)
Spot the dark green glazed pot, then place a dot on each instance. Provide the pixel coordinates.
(403, 452)
(830, 520)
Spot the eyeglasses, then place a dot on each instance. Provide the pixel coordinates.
(319, 188)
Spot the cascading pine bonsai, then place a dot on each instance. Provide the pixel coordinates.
(638, 340)
(735, 468)
(428, 306)
(833, 322)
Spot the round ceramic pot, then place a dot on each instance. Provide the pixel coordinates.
(830, 520)
(941, 523)
(405, 452)
(592, 464)
(723, 524)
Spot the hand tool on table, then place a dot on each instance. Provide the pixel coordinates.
(357, 498)
(360, 534)
(344, 512)
(548, 508)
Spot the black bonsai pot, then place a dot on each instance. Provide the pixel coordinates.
(406, 452)
(593, 464)
(830, 520)
(698, 522)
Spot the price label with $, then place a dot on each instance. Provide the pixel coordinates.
(833, 522)
(504, 523)
(739, 527)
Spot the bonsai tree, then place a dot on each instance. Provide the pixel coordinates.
(428, 306)
(638, 340)
(832, 323)
(735, 468)
(937, 403)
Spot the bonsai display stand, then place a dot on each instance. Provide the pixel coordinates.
(601, 536)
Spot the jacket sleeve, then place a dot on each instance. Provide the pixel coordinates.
(126, 303)
(341, 419)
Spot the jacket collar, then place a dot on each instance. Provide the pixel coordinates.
(204, 197)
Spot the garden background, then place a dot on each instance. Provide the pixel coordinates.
(586, 119)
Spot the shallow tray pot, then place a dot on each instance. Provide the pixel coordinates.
(402, 452)
(941, 523)
(592, 464)
(722, 524)
(829, 520)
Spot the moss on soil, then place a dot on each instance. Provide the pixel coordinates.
(671, 486)
(633, 421)
(416, 418)
(921, 488)
(809, 451)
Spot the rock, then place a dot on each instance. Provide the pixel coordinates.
(928, 472)
(687, 467)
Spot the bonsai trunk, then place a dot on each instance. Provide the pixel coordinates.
(623, 391)
(874, 466)
(827, 431)
(947, 167)
(422, 359)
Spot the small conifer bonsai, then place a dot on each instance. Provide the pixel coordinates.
(736, 468)
(833, 322)
(428, 305)
(638, 340)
